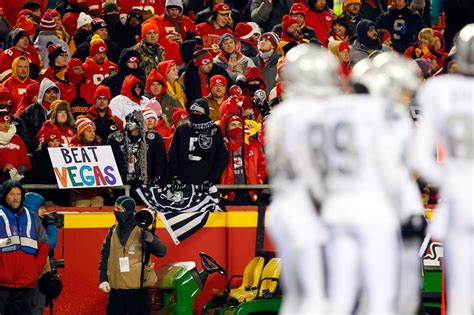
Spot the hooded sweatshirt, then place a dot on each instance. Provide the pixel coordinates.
(33, 201)
(320, 21)
(36, 114)
(126, 102)
(16, 86)
(115, 81)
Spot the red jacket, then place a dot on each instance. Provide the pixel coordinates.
(321, 23)
(17, 88)
(97, 73)
(171, 48)
(67, 133)
(69, 91)
(210, 36)
(20, 269)
(254, 162)
(11, 53)
(182, 25)
(14, 153)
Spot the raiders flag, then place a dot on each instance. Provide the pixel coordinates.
(183, 211)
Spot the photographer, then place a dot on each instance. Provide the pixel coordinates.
(49, 286)
(124, 269)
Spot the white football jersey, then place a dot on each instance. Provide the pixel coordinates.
(354, 144)
(448, 117)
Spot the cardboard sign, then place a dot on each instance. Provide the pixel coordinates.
(85, 167)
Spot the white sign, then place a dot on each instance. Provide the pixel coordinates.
(85, 167)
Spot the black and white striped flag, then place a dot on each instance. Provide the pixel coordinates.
(184, 211)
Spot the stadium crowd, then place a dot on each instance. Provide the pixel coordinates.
(181, 91)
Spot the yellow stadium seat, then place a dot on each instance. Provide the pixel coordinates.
(270, 279)
(247, 291)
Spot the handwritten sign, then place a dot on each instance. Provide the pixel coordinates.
(85, 167)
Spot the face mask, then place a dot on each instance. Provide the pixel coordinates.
(236, 135)
(72, 77)
(253, 87)
(198, 119)
(123, 217)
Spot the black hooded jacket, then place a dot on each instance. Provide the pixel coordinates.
(7, 186)
(115, 81)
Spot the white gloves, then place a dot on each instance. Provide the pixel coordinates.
(104, 287)
(15, 175)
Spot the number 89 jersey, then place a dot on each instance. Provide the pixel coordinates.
(353, 142)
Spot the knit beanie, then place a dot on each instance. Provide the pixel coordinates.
(53, 13)
(243, 30)
(83, 19)
(33, 201)
(54, 51)
(97, 24)
(17, 34)
(174, 3)
(218, 79)
(287, 22)
(224, 37)
(32, 90)
(178, 114)
(149, 26)
(97, 46)
(149, 113)
(103, 90)
(47, 23)
(83, 123)
(125, 203)
(347, 2)
(272, 37)
(136, 13)
(51, 134)
(202, 57)
(343, 46)
(28, 25)
(109, 7)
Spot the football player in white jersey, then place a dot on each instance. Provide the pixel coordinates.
(398, 84)
(358, 153)
(447, 104)
(310, 76)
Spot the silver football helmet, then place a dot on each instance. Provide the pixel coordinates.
(465, 50)
(310, 70)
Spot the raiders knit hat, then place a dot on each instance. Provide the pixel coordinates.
(83, 19)
(272, 37)
(200, 105)
(83, 123)
(47, 23)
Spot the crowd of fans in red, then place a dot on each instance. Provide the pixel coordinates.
(129, 74)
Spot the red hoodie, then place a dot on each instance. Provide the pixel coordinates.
(127, 85)
(153, 77)
(184, 24)
(252, 73)
(321, 23)
(171, 48)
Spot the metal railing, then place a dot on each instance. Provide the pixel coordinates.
(127, 187)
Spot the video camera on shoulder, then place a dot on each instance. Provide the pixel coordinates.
(55, 264)
(145, 217)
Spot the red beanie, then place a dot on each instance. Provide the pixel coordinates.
(179, 113)
(74, 62)
(53, 13)
(97, 46)
(103, 90)
(47, 23)
(343, 46)
(26, 24)
(149, 26)
(51, 134)
(287, 21)
(218, 79)
(243, 30)
(202, 57)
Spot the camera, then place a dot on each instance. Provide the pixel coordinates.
(55, 264)
(145, 217)
(53, 218)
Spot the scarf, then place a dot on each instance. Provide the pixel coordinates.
(6, 137)
(175, 89)
(265, 55)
